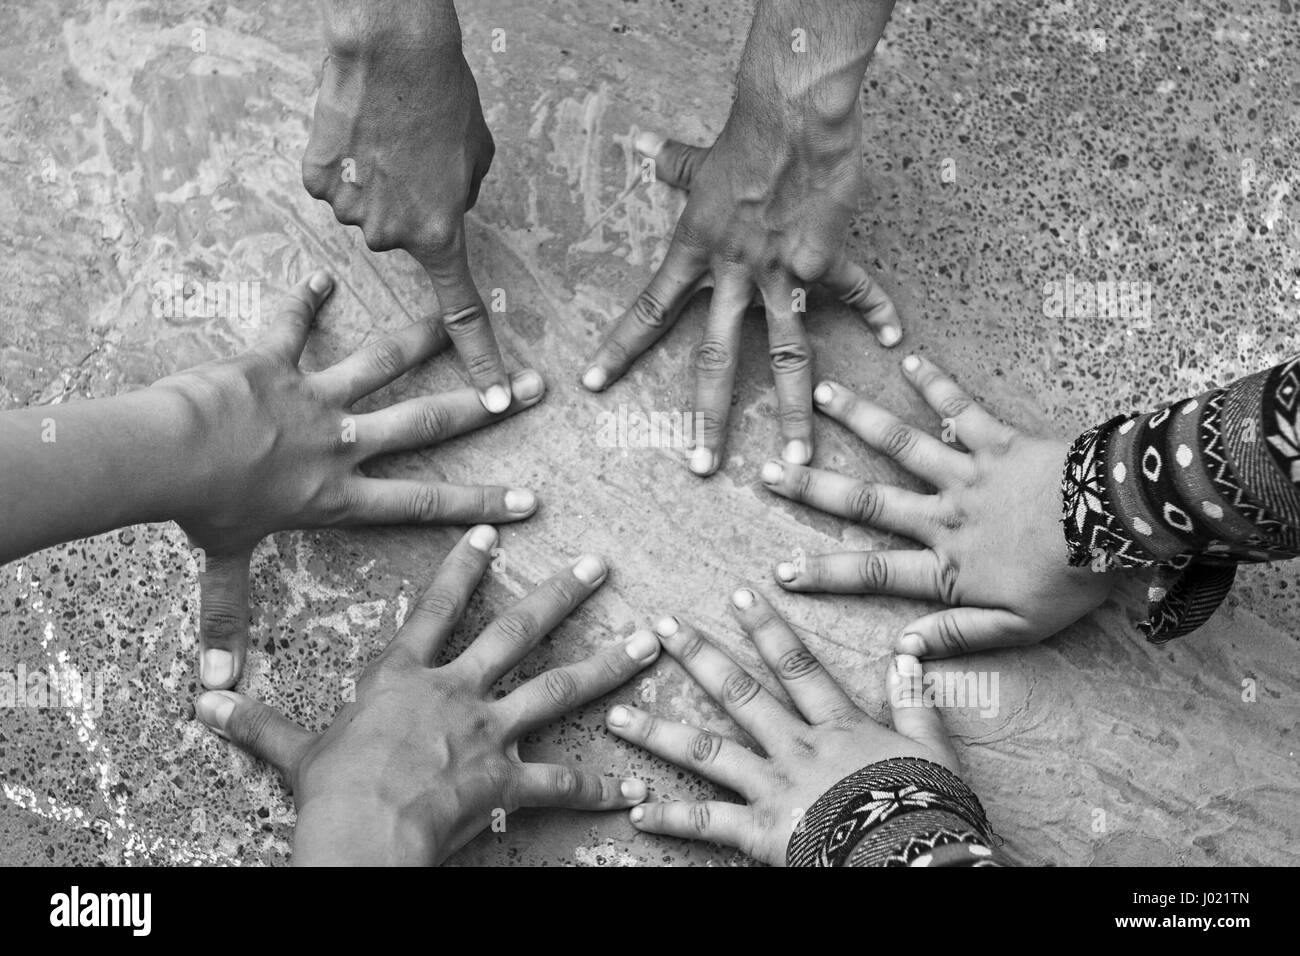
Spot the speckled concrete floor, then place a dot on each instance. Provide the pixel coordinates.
(1128, 140)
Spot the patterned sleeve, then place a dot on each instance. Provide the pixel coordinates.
(899, 812)
(1190, 491)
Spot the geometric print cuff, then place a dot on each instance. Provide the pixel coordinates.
(904, 811)
(1190, 491)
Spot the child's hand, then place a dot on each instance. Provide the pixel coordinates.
(428, 755)
(805, 749)
(994, 550)
(276, 448)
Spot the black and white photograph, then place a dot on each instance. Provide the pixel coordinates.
(651, 434)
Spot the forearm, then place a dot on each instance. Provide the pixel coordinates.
(899, 812)
(75, 470)
(1188, 491)
(810, 58)
(360, 27)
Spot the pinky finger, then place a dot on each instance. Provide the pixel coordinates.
(855, 287)
(730, 824)
(964, 630)
(555, 785)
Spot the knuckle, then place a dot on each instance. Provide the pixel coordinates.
(739, 688)
(946, 580)
(864, 504)
(439, 235)
(845, 717)
(432, 423)
(810, 264)
(560, 688)
(566, 783)
(440, 604)
(648, 311)
(221, 625)
(426, 503)
(712, 356)
(954, 405)
(386, 357)
(316, 178)
(950, 633)
(805, 482)
(704, 747)
(797, 663)
(462, 320)
(694, 643)
(790, 357)
(517, 629)
(700, 817)
(251, 726)
(899, 439)
(873, 572)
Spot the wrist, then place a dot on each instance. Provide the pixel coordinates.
(347, 830)
(361, 29)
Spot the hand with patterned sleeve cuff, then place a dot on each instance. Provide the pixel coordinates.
(1185, 492)
(835, 788)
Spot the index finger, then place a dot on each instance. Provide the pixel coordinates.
(465, 319)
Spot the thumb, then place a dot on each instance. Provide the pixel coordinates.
(223, 617)
(675, 163)
(913, 717)
(255, 727)
(963, 630)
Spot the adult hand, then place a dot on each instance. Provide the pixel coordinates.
(271, 447)
(806, 752)
(994, 548)
(427, 757)
(399, 147)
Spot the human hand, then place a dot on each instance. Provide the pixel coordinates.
(770, 207)
(271, 447)
(994, 547)
(399, 147)
(807, 752)
(427, 756)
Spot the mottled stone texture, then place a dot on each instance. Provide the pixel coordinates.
(1137, 141)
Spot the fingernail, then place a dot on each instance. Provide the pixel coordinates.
(911, 363)
(823, 394)
(594, 378)
(527, 385)
(214, 708)
(320, 282)
(785, 571)
(667, 626)
(796, 452)
(649, 144)
(911, 644)
(520, 501)
(496, 399)
(702, 461)
(484, 536)
(632, 790)
(641, 646)
(772, 472)
(636, 814)
(890, 336)
(908, 666)
(589, 569)
(620, 716)
(217, 667)
(743, 598)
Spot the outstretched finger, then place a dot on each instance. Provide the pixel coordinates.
(854, 286)
(715, 372)
(964, 630)
(554, 785)
(886, 507)
(223, 617)
(466, 320)
(970, 423)
(292, 326)
(375, 365)
(913, 716)
(651, 315)
(255, 727)
(792, 370)
(675, 163)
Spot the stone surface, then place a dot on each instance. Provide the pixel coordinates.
(1010, 145)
